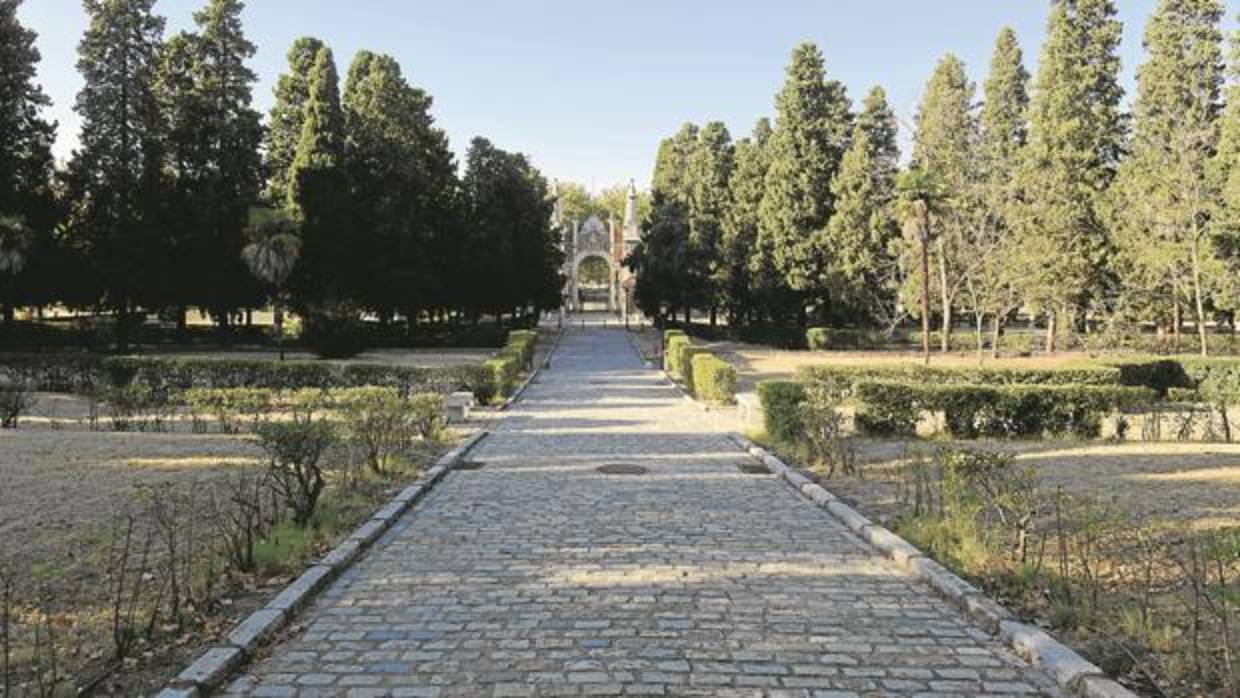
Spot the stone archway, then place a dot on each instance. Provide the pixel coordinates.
(594, 279)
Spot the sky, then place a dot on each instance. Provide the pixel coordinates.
(587, 89)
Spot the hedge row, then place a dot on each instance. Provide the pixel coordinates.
(842, 379)
(705, 375)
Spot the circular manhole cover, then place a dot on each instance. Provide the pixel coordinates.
(622, 469)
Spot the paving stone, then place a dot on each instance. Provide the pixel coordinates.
(212, 668)
(540, 576)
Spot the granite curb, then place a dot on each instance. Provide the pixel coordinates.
(1071, 671)
(217, 664)
(516, 394)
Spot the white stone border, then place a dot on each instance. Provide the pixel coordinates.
(516, 394)
(1069, 669)
(217, 664)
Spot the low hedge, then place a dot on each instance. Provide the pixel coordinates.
(781, 409)
(1002, 411)
(686, 353)
(524, 341)
(842, 378)
(671, 354)
(60, 372)
(504, 371)
(714, 379)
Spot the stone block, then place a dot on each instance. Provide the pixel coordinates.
(211, 669)
(256, 629)
(458, 406)
(1036, 647)
(300, 592)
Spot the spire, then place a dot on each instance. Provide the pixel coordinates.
(630, 213)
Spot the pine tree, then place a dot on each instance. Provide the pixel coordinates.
(709, 169)
(1164, 193)
(1075, 141)
(664, 252)
(946, 144)
(878, 122)
(812, 128)
(1225, 168)
(28, 269)
(319, 193)
(672, 163)
(994, 286)
(284, 121)
(212, 148)
(116, 184)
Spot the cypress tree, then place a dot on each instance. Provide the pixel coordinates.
(285, 119)
(1163, 192)
(945, 144)
(319, 194)
(116, 184)
(812, 127)
(664, 251)
(995, 284)
(709, 169)
(1075, 141)
(878, 122)
(740, 291)
(1225, 168)
(28, 267)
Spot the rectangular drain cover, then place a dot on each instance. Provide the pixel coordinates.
(753, 469)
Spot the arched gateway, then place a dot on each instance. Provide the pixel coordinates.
(594, 254)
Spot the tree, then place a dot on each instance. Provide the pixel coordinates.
(995, 286)
(27, 206)
(1076, 137)
(116, 177)
(1164, 192)
(863, 230)
(745, 267)
(709, 169)
(319, 196)
(213, 163)
(271, 257)
(663, 252)
(945, 143)
(1225, 167)
(922, 198)
(812, 127)
(284, 123)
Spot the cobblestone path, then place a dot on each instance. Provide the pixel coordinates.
(537, 575)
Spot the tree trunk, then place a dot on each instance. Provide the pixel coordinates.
(713, 317)
(1051, 330)
(925, 300)
(945, 339)
(994, 335)
(1198, 301)
(981, 343)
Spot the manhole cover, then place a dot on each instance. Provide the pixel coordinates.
(754, 469)
(622, 469)
(471, 465)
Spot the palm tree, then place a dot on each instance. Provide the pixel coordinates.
(922, 197)
(272, 257)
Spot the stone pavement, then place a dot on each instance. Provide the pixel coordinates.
(537, 575)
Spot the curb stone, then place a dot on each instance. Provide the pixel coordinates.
(1066, 667)
(217, 664)
(516, 394)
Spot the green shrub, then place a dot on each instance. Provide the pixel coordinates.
(476, 378)
(672, 356)
(426, 411)
(525, 341)
(831, 338)
(714, 379)
(227, 404)
(333, 331)
(888, 408)
(685, 356)
(781, 408)
(913, 373)
(504, 370)
(379, 421)
(1160, 375)
(818, 338)
(669, 334)
(53, 372)
(14, 399)
(824, 434)
(295, 451)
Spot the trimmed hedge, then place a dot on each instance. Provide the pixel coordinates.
(504, 371)
(686, 354)
(1003, 411)
(842, 378)
(525, 342)
(672, 356)
(713, 379)
(781, 409)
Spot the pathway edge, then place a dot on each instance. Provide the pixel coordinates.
(516, 394)
(1037, 647)
(215, 666)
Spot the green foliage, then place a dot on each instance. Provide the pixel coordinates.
(333, 331)
(824, 431)
(714, 380)
(228, 404)
(672, 353)
(294, 451)
(505, 369)
(379, 420)
(781, 406)
(1068, 375)
(524, 341)
(14, 399)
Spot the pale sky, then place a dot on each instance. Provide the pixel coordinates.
(587, 89)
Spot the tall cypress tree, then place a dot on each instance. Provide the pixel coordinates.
(663, 255)
(741, 257)
(319, 192)
(285, 119)
(1075, 140)
(116, 184)
(709, 169)
(1225, 168)
(878, 122)
(212, 149)
(945, 144)
(28, 269)
(812, 127)
(1004, 129)
(1164, 191)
